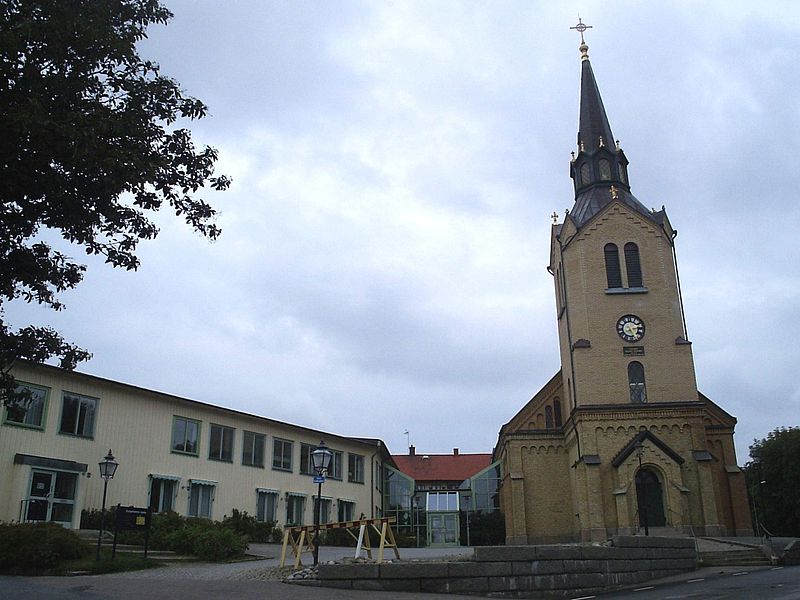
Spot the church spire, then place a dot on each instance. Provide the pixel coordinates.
(599, 170)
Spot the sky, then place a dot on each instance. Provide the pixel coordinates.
(381, 268)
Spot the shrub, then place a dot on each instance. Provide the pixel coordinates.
(33, 548)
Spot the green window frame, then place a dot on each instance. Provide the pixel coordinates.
(78, 415)
(306, 464)
(335, 468)
(355, 468)
(185, 436)
(30, 412)
(282, 454)
(220, 443)
(253, 445)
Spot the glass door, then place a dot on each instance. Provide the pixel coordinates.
(443, 529)
(51, 497)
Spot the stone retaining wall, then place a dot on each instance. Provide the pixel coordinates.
(526, 571)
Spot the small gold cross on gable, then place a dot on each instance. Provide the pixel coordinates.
(554, 216)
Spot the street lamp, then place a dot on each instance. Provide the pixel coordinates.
(320, 459)
(642, 498)
(108, 466)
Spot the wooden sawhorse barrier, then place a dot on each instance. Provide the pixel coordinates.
(301, 538)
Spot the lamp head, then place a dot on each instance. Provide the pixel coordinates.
(321, 458)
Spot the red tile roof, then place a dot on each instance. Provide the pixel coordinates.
(441, 467)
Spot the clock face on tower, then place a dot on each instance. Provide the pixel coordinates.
(630, 328)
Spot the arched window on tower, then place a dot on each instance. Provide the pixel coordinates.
(636, 382)
(557, 411)
(632, 265)
(585, 175)
(613, 273)
(605, 169)
(548, 417)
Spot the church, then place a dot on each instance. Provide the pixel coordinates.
(620, 440)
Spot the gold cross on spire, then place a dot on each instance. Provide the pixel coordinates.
(580, 28)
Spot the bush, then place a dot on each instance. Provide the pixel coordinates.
(247, 525)
(33, 548)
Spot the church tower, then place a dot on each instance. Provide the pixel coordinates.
(619, 440)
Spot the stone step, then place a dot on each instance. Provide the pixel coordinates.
(752, 557)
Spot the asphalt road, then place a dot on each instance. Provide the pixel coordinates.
(765, 583)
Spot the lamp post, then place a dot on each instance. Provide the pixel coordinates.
(320, 459)
(642, 498)
(108, 466)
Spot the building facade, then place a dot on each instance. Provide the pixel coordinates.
(445, 499)
(174, 454)
(619, 440)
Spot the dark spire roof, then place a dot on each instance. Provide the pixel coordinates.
(599, 170)
(594, 131)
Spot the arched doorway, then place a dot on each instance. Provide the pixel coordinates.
(650, 499)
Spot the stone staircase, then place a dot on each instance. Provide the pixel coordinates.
(718, 553)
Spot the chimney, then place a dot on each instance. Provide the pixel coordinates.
(412, 451)
(455, 451)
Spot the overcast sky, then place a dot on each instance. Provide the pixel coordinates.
(395, 165)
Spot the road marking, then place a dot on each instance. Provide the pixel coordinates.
(776, 568)
(641, 589)
(584, 598)
(696, 580)
(739, 573)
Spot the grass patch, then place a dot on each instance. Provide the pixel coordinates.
(90, 566)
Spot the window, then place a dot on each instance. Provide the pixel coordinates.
(335, 468)
(162, 493)
(221, 446)
(28, 409)
(613, 273)
(347, 510)
(632, 265)
(267, 506)
(201, 496)
(281, 455)
(355, 468)
(621, 170)
(605, 169)
(557, 412)
(636, 382)
(325, 515)
(306, 464)
(486, 489)
(442, 501)
(253, 449)
(584, 174)
(77, 415)
(185, 434)
(295, 507)
(548, 417)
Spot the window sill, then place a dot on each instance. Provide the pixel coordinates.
(77, 435)
(194, 454)
(225, 460)
(24, 426)
(358, 482)
(629, 290)
(244, 464)
(274, 468)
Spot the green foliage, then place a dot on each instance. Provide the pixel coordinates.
(247, 525)
(189, 536)
(36, 548)
(89, 148)
(487, 528)
(773, 477)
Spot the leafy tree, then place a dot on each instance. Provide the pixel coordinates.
(773, 476)
(89, 149)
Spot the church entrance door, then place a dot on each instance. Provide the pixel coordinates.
(650, 499)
